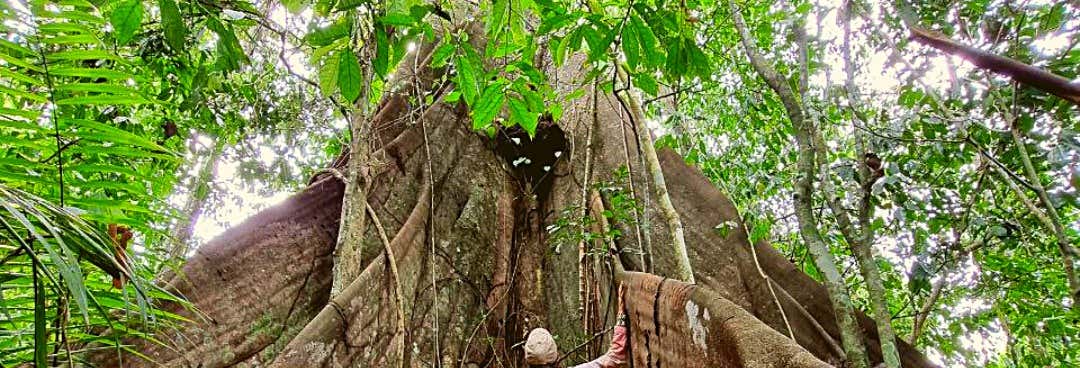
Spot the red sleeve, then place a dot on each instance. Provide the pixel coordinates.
(616, 354)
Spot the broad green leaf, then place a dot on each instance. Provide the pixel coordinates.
(699, 63)
(325, 36)
(488, 106)
(676, 60)
(328, 74)
(295, 6)
(230, 55)
(126, 19)
(397, 19)
(381, 64)
(496, 23)
(631, 48)
(520, 114)
(654, 55)
(559, 50)
(442, 54)
(597, 47)
(555, 23)
(646, 83)
(349, 78)
(343, 5)
(173, 23)
(469, 72)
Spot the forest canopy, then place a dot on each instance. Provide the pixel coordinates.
(920, 159)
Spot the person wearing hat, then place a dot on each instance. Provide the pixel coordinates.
(541, 351)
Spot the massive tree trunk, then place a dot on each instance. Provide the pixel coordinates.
(478, 268)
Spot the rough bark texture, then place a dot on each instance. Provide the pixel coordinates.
(496, 271)
(675, 324)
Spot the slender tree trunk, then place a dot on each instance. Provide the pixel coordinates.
(196, 203)
(863, 243)
(851, 337)
(348, 253)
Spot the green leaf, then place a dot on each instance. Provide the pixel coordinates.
(41, 343)
(442, 54)
(126, 19)
(348, 78)
(381, 64)
(173, 24)
(86, 40)
(96, 87)
(646, 83)
(230, 55)
(653, 55)
(103, 99)
(598, 43)
(114, 134)
(324, 36)
(676, 60)
(328, 74)
(485, 110)
(520, 114)
(496, 21)
(699, 63)
(294, 6)
(397, 19)
(87, 55)
(20, 63)
(93, 73)
(469, 72)
(631, 47)
(24, 94)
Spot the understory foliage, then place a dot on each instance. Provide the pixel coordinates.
(119, 112)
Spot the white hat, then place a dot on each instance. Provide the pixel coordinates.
(540, 348)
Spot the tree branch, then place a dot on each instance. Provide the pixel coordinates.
(1020, 72)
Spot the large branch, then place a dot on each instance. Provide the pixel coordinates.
(1023, 73)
